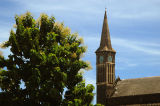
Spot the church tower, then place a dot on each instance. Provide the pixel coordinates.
(105, 65)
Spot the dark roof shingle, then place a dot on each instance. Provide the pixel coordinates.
(139, 86)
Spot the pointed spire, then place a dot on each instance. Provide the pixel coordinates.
(105, 44)
(105, 36)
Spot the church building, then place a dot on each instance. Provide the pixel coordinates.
(113, 91)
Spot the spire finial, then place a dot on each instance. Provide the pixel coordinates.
(105, 15)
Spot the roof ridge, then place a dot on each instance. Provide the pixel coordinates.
(141, 78)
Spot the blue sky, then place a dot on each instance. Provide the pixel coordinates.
(134, 29)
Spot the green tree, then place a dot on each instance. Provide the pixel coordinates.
(46, 58)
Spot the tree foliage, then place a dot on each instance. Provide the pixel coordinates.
(45, 58)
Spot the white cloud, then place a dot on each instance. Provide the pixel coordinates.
(63, 5)
(146, 47)
(150, 48)
(130, 53)
(135, 9)
(4, 34)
